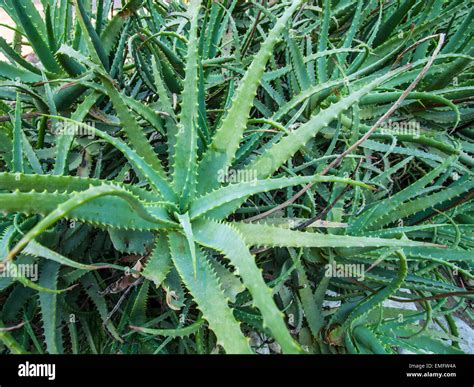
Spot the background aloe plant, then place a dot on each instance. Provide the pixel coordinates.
(184, 173)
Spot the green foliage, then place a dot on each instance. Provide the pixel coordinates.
(185, 176)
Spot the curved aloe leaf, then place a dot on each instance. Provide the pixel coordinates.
(227, 240)
(207, 292)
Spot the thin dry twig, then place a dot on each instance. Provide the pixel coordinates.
(12, 328)
(25, 116)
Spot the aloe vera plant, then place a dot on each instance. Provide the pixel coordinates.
(176, 162)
